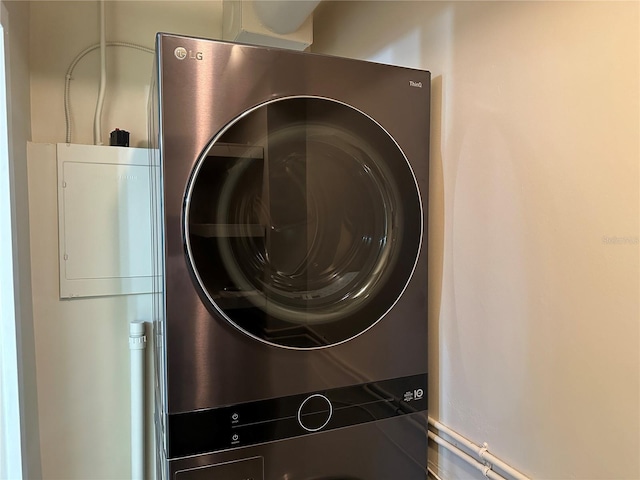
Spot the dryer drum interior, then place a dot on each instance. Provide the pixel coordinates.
(296, 228)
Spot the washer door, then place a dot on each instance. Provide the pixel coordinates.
(302, 222)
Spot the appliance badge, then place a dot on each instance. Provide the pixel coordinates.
(181, 53)
(412, 83)
(413, 395)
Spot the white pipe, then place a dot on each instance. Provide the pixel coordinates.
(456, 436)
(481, 452)
(97, 121)
(284, 16)
(485, 469)
(431, 472)
(137, 345)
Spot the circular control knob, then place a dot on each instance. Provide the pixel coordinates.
(315, 412)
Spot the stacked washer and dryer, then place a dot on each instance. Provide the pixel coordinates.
(290, 311)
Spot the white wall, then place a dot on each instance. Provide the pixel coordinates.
(534, 306)
(20, 130)
(81, 346)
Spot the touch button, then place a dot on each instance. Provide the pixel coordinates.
(315, 412)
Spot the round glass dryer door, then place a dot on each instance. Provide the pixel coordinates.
(303, 222)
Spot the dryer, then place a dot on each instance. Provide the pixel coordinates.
(290, 310)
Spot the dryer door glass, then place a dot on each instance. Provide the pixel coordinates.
(302, 222)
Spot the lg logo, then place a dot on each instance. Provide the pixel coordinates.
(181, 53)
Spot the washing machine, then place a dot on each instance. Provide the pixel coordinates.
(290, 303)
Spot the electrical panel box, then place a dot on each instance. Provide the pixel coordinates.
(104, 220)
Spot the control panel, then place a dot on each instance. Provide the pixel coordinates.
(263, 421)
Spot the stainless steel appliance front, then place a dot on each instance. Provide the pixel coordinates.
(290, 207)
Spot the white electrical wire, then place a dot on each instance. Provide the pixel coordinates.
(97, 119)
(72, 66)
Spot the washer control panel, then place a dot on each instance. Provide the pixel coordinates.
(263, 421)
